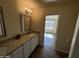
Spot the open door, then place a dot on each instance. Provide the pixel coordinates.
(74, 51)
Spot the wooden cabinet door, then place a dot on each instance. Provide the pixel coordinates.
(18, 53)
(27, 49)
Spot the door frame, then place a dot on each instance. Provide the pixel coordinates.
(56, 28)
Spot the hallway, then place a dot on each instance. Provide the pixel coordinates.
(49, 40)
(48, 50)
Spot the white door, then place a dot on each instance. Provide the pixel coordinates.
(27, 49)
(18, 53)
(74, 51)
(34, 43)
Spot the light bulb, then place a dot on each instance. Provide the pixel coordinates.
(26, 8)
(31, 11)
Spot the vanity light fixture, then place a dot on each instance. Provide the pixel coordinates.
(31, 11)
(26, 8)
(28, 11)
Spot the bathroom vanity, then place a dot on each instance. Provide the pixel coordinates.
(19, 48)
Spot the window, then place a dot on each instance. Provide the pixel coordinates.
(49, 23)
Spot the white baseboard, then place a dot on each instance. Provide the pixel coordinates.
(61, 51)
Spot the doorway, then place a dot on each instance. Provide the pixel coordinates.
(51, 22)
(48, 49)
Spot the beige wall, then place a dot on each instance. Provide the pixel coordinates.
(68, 15)
(11, 10)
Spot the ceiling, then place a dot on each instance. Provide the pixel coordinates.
(34, 4)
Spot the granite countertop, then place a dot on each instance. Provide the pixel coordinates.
(9, 46)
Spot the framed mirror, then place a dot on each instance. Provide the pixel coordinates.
(25, 22)
(2, 25)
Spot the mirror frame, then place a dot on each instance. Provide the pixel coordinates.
(2, 23)
(21, 18)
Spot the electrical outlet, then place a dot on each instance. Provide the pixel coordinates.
(66, 40)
